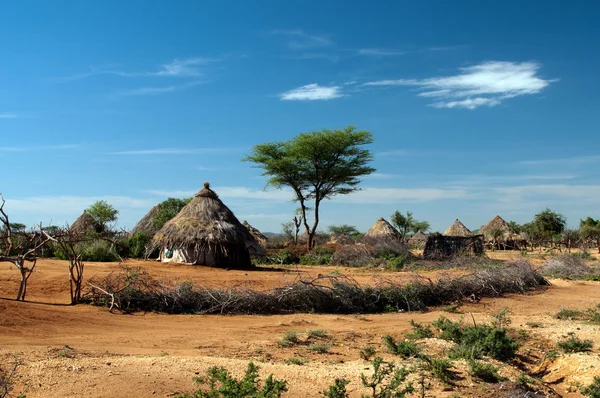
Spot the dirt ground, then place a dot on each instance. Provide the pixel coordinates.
(84, 351)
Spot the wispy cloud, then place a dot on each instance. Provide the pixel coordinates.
(175, 151)
(379, 52)
(393, 195)
(394, 152)
(300, 40)
(486, 84)
(284, 195)
(156, 90)
(563, 161)
(312, 92)
(327, 56)
(8, 115)
(183, 68)
(446, 48)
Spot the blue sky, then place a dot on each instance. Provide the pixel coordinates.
(477, 108)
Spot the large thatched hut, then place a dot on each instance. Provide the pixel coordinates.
(457, 229)
(256, 234)
(145, 225)
(382, 230)
(206, 232)
(84, 224)
(499, 233)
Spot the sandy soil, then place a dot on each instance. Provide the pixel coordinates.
(82, 351)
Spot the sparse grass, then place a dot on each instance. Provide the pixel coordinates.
(404, 348)
(484, 371)
(296, 361)
(593, 390)
(320, 348)
(568, 314)
(574, 344)
(318, 333)
(440, 368)
(500, 319)
(337, 390)
(289, 339)
(420, 331)
(453, 309)
(367, 352)
(66, 352)
(524, 381)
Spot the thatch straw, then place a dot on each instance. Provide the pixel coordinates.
(85, 223)
(440, 247)
(497, 223)
(205, 222)
(419, 237)
(382, 229)
(145, 225)
(458, 229)
(256, 234)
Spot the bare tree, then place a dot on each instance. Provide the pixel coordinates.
(25, 252)
(68, 242)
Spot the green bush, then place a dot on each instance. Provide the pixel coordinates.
(290, 338)
(484, 371)
(218, 383)
(405, 348)
(593, 390)
(337, 390)
(95, 250)
(367, 352)
(574, 344)
(320, 348)
(387, 381)
(318, 256)
(441, 368)
(420, 331)
(136, 246)
(296, 361)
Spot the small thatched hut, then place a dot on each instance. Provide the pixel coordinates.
(145, 224)
(382, 230)
(84, 224)
(206, 232)
(457, 229)
(418, 240)
(439, 247)
(256, 234)
(499, 233)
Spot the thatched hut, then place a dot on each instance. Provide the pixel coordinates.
(499, 233)
(206, 232)
(439, 247)
(382, 230)
(145, 225)
(457, 229)
(256, 234)
(418, 240)
(84, 224)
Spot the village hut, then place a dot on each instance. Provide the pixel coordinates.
(457, 229)
(498, 233)
(145, 225)
(206, 232)
(256, 234)
(382, 230)
(418, 240)
(440, 247)
(84, 224)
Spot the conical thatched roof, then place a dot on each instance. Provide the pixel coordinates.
(497, 223)
(457, 229)
(145, 224)
(382, 229)
(419, 237)
(85, 223)
(205, 222)
(256, 234)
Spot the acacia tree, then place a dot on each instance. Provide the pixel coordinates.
(406, 223)
(549, 224)
(316, 166)
(103, 213)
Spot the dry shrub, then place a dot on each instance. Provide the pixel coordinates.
(132, 289)
(354, 256)
(565, 266)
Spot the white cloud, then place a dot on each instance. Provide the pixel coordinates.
(312, 92)
(155, 90)
(393, 195)
(8, 115)
(300, 40)
(486, 84)
(182, 67)
(378, 52)
(39, 148)
(515, 194)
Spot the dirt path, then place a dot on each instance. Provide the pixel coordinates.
(141, 355)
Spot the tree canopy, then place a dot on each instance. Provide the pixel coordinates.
(167, 210)
(103, 213)
(345, 229)
(316, 166)
(549, 223)
(406, 223)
